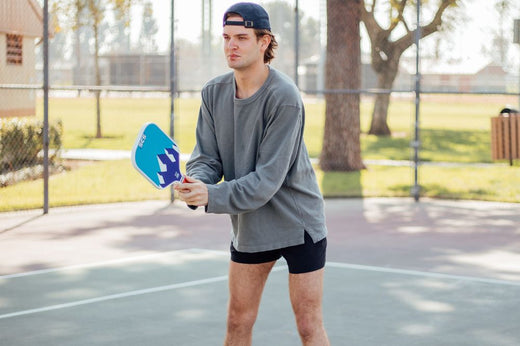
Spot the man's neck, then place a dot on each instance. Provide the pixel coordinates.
(250, 80)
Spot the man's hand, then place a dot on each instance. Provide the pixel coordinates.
(192, 191)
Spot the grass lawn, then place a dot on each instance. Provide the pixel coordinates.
(454, 129)
(451, 129)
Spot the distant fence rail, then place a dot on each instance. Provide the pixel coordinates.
(130, 88)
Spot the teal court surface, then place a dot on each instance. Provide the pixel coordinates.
(151, 273)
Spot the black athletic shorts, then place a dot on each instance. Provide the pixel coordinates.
(300, 259)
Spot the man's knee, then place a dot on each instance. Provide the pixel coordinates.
(309, 325)
(241, 318)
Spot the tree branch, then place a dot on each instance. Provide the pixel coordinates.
(367, 17)
(407, 40)
(399, 18)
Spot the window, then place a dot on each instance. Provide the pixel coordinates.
(14, 49)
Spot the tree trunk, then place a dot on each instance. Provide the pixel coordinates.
(341, 142)
(98, 83)
(385, 80)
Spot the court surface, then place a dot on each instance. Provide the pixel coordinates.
(151, 273)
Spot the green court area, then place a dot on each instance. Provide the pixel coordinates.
(150, 273)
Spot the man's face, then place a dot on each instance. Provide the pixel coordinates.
(241, 47)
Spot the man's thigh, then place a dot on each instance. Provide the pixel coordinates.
(306, 293)
(246, 284)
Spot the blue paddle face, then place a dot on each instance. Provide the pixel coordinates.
(156, 156)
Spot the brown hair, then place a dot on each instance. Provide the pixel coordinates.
(269, 52)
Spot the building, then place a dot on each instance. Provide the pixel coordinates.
(436, 76)
(136, 69)
(460, 76)
(21, 24)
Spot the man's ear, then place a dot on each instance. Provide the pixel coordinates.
(266, 40)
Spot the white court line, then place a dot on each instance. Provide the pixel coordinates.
(421, 273)
(123, 295)
(116, 296)
(219, 252)
(105, 263)
(217, 279)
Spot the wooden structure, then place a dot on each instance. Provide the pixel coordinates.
(505, 136)
(21, 24)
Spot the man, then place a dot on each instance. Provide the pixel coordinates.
(250, 132)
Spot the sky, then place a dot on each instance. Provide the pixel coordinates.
(188, 18)
(463, 44)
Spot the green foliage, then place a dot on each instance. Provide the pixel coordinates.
(21, 141)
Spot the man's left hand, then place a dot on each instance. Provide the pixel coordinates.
(192, 191)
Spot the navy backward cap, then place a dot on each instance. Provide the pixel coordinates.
(254, 16)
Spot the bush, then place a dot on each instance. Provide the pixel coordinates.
(21, 142)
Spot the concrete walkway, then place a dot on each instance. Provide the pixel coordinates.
(104, 154)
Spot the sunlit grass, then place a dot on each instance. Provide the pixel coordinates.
(452, 129)
(100, 182)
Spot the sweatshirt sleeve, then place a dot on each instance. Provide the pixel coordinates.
(277, 151)
(204, 163)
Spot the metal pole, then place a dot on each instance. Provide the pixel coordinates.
(516, 39)
(416, 190)
(45, 107)
(509, 134)
(172, 83)
(296, 42)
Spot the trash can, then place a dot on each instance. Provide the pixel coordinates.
(505, 135)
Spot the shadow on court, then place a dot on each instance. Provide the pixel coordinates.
(148, 273)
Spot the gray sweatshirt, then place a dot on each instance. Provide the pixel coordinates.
(256, 144)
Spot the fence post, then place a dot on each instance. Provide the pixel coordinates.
(296, 42)
(516, 39)
(45, 106)
(416, 190)
(172, 83)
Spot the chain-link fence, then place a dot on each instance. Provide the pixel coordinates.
(104, 87)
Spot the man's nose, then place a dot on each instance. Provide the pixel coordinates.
(231, 44)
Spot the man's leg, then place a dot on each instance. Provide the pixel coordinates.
(246, 284)
(306, 291)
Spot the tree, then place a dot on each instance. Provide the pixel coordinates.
(70, 15)
(95, 18)
(341, 141)
(58, 49)
(281, 15)
(386, 50)
(149, 28)
(501, 38)
(91, 14)
(120, 42)
(121, 39)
